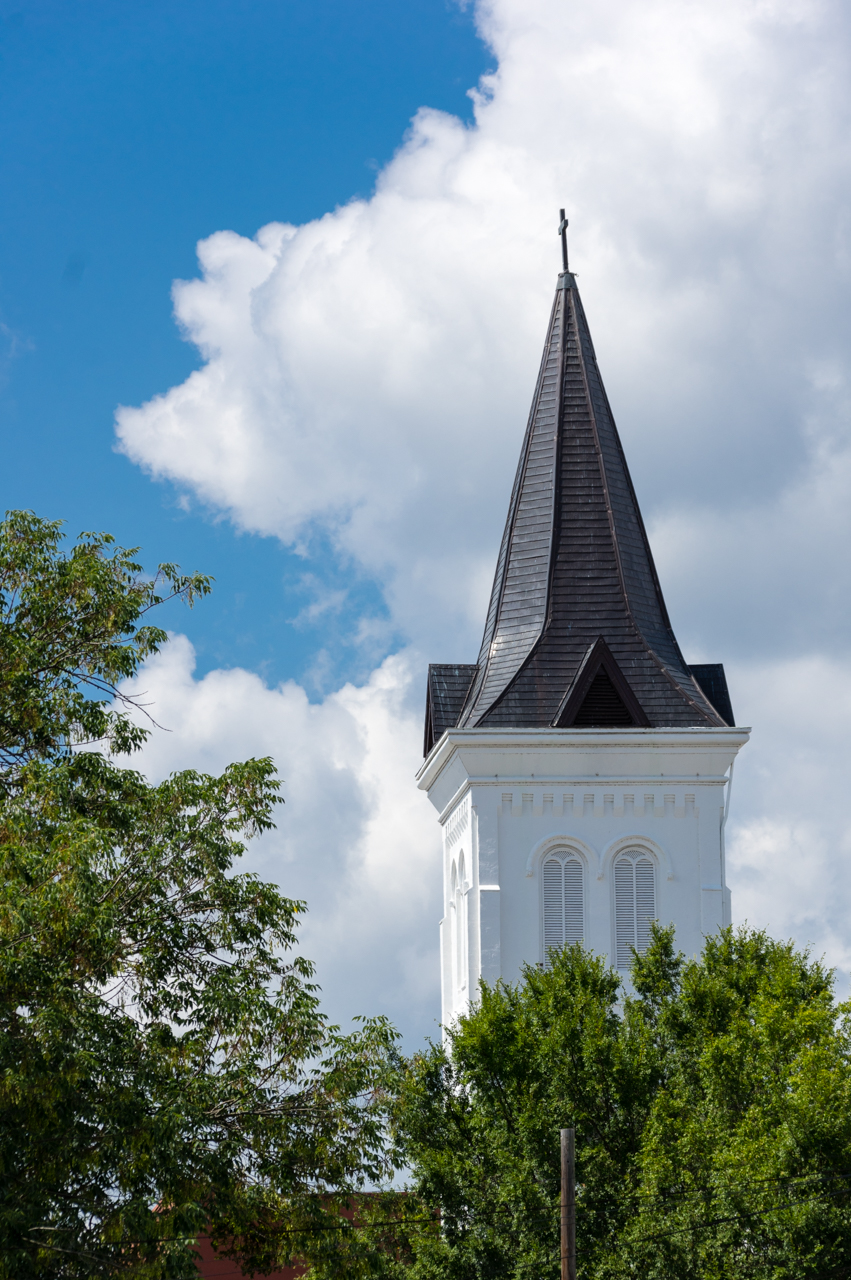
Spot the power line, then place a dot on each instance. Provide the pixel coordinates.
(732, 1188)
(715, 1222)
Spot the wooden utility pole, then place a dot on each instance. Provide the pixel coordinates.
(568, 1205)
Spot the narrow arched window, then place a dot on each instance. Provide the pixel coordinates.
(453, 923)
(461, 924)
(635, 904)
(564, 902)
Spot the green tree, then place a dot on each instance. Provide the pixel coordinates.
(712, 1107)
(745, 1163)
(165, 1068)
(479, 1116)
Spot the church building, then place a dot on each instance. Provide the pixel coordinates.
(580, 769)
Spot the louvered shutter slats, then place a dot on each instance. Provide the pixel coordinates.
(553, 907)
(645, 903)
(635, 905)
(624, 912)
(574, 915)
(564, 905)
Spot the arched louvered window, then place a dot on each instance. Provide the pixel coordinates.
(453, 922)
(635, 904)
(564, 902)
(461, 926)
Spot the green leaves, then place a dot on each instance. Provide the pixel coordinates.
(165, 1068)
(479, 1118)
(163, 1060)
(70, 632)
(712, 1107)
(745, 1168)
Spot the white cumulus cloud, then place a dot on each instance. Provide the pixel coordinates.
(354, 837)
(367, 375)
(369, 372)
(789, 847)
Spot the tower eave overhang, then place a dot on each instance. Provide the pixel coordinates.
(485, 754)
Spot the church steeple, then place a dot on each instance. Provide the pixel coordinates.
(580, 770)
(577, 633)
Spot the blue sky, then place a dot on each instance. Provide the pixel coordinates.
(130, 131)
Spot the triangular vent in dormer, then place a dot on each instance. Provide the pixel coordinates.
(600, 696)
(603, 706)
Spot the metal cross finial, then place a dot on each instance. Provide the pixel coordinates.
(562, 230)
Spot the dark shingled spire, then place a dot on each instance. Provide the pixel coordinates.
(577, 632)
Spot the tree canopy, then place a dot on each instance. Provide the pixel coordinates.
(71, 630)
(165, 1068)
(712, 1108)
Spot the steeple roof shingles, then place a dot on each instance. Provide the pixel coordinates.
(575, 564)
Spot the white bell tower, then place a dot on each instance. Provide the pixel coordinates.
(581, 770)
(553, 836)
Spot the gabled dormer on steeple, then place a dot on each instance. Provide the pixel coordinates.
(577, 633)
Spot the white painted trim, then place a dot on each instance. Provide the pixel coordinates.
(449, 808)
(560, 840)
(658, 780)
(729, 781)
(528, 781)
(601, 739)
(725, 813)
(640, 841)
